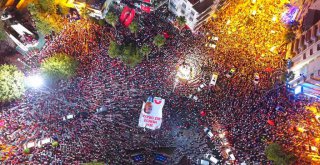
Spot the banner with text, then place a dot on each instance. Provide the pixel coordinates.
(151, 113)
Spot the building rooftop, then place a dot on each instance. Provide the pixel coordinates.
(95, 4)
(193, 1)
(203, 5)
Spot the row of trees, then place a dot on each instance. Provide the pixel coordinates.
(12, 80)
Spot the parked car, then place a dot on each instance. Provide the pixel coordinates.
(208, 132)
(203, 162)
(214, 78)
(231, 72)
(211, 158)
(230, 154)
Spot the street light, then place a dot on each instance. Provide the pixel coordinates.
(34, 81)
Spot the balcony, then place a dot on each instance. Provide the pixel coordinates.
(302, 42)
(314, 33)
(308, 40)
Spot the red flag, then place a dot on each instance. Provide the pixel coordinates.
(268, 69)
(271, 122)
(203, 113)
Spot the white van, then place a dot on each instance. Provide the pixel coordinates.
(208, 132)
(230, 154)
(211, 158)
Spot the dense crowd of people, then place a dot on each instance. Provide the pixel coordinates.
(101, 81)
(238, 104)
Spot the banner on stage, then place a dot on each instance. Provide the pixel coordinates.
(151, 113)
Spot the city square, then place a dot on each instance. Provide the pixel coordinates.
(160, 82)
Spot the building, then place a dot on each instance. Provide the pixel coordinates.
(306, 56)
(18, 32)
(196, 12)
(98, 8)
(24, 38)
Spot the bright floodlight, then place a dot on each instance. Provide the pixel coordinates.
(34, 81)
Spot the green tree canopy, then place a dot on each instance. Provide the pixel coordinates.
(114, 50)
(3, 34)
(11, 83)
(55, 144)
(94, 163)
(145, 50)
(111, 18)
(26, 151)
(47, 18)
(59, 66)
(63, 10)
(131, 55)
(275, 153)
(47, 6)
(134, 27)
(181, 21)
(159, 40)
(290, 36)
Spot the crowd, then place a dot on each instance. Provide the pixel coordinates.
(101, 81)
(239, 105)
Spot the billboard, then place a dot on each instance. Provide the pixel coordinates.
(151, 113)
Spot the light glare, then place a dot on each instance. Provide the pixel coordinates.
(34, 81)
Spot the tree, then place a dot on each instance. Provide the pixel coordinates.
(114, 50)
(63, 10)
(145, 50)
(45, 17)
(111, 18)
(55, 144)
(47, 6)
(134, 59)
(275, 153)
(11, 83)
(134, 27)
(48, 25)
(94, 163)
(26, 151)
(181, 22)
(131, 55)
(59, 66)
(293, 25)
(85, 12)
(290, 36)
(3, 34)
(159, 40)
